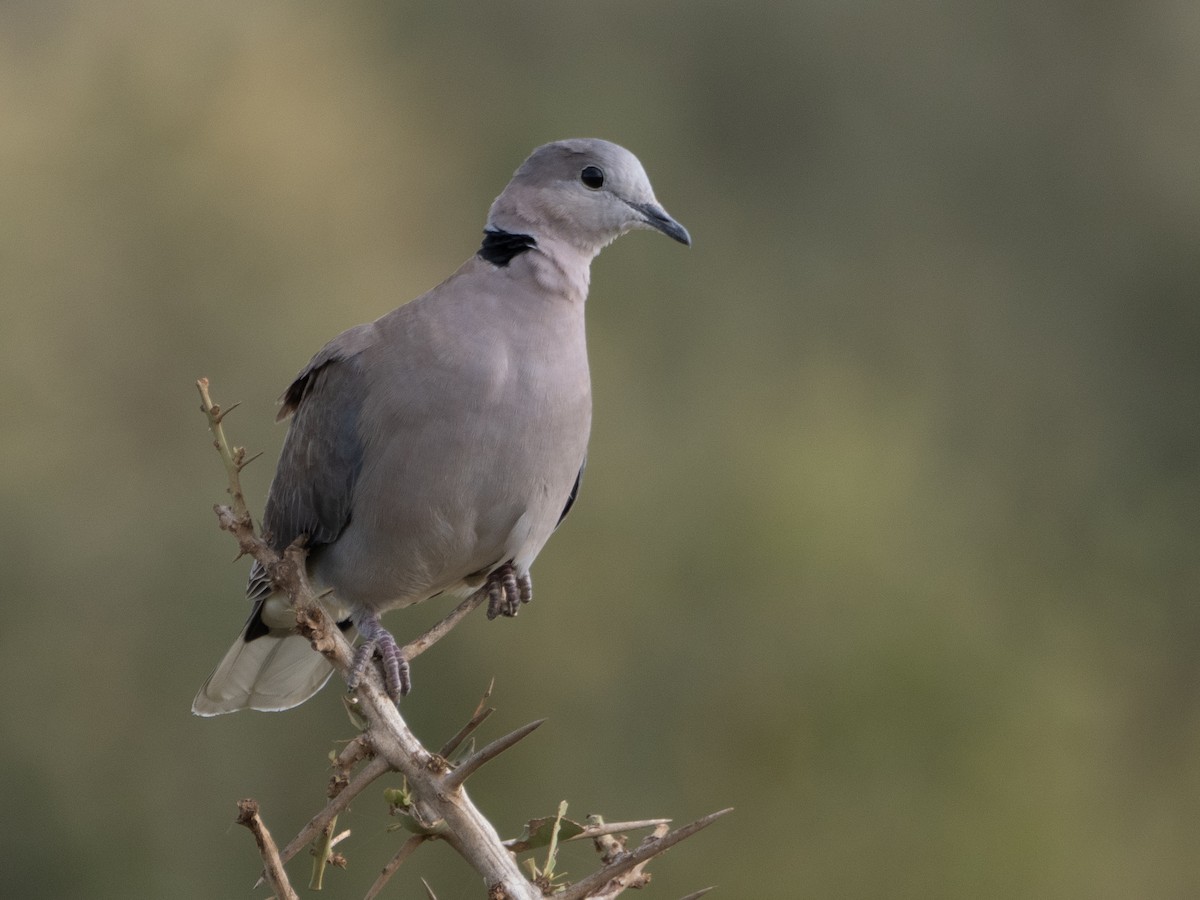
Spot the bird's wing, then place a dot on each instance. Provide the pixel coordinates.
(322, 453)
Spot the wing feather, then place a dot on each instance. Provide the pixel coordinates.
(313, 487)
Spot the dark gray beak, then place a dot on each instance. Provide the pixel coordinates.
(656, 217)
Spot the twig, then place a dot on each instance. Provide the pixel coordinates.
(233, 457)
(419, 645)
(612, 849)
(586, 887)
(406, 850)
(372, 770)
(472, 763)
(248, 816)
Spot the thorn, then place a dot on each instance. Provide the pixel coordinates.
(219, 414)
(242, 463)
(481, 713)
(486, 696)
(469, 765)
(696, 895)
(463, 733)
(429, 890)
(600, 828)
(593, 830)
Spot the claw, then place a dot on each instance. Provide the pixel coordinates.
(507, 591)
(495, 592)
(377, 640)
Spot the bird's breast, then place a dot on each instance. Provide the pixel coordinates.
(476, 435)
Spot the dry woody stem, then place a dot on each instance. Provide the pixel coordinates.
(248, 816)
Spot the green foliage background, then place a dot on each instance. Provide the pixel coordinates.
(889, 532)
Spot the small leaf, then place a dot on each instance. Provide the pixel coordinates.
(398, 798)
(538, 833)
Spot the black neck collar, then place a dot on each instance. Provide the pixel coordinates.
(499, 246)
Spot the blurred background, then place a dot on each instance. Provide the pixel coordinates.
(888, 537)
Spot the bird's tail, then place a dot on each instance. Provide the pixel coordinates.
(265, 669)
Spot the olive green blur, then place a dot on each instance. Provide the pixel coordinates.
(889, 535)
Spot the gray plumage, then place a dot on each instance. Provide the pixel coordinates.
(437, 448)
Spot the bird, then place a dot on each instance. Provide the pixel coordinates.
(435, 450)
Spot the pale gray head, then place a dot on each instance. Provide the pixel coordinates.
(584, 191)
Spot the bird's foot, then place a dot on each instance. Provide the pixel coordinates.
(507, 591)
(378, 641)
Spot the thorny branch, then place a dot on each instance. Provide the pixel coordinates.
(434, 801)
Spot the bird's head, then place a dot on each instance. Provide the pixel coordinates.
(584, 191)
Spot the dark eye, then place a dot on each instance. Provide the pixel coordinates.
(592, 177)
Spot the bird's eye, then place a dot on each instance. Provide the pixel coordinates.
(592, 177)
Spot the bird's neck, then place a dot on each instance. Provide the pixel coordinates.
(558, 266)
(562, 268)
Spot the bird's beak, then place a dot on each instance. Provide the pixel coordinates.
(656, 217)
